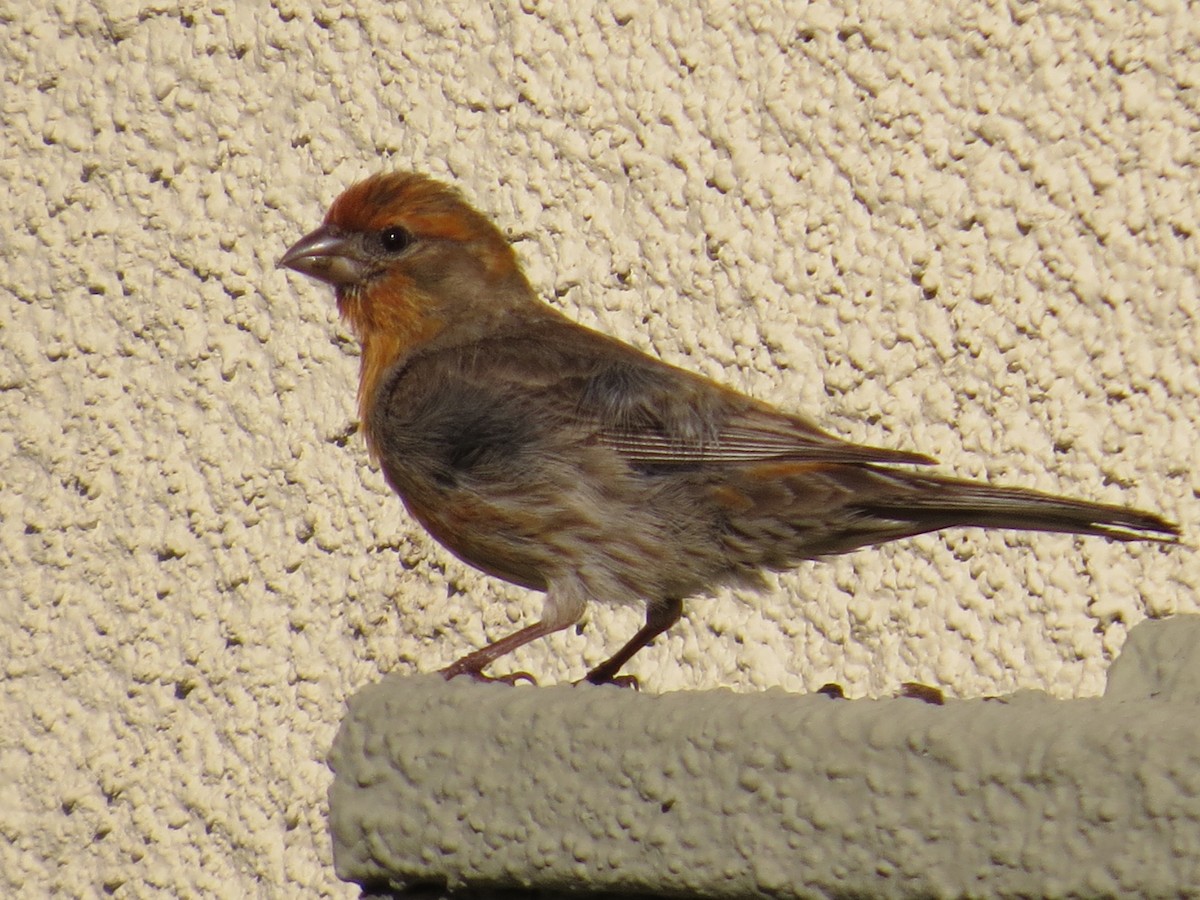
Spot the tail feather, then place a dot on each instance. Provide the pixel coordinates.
(930, 503)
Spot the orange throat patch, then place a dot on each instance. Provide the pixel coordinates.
(390, 325)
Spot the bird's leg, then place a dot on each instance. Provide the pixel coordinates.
(659, 617)
(564, 606)
(474, 663)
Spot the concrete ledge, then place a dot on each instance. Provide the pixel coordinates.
(460, 785)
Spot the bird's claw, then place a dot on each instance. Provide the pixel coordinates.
(621, 681)
(511, 679)
(923, 692)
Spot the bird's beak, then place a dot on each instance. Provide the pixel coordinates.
(327, 255)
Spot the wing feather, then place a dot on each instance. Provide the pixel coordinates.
(648, 411)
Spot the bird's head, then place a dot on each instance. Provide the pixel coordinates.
(411, 263)
(407, 257)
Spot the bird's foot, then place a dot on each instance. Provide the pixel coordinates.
(621, 681)
(923, 692)
(454, 670)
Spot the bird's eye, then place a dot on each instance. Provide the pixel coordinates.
(394, 238)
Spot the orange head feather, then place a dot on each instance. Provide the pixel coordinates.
(429, 208)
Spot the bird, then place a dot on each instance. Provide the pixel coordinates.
(563, 460)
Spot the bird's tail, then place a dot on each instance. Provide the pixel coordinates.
(931, 503)
(778, 514)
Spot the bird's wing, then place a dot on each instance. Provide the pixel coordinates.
(650, 412)
(751, 441)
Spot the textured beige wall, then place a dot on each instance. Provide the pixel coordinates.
(963, 229)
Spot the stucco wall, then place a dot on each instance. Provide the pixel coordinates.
(964, 229)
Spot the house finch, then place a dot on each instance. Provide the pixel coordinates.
(565, 461)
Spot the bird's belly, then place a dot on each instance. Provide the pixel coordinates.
(619, 535)
(482, 536)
